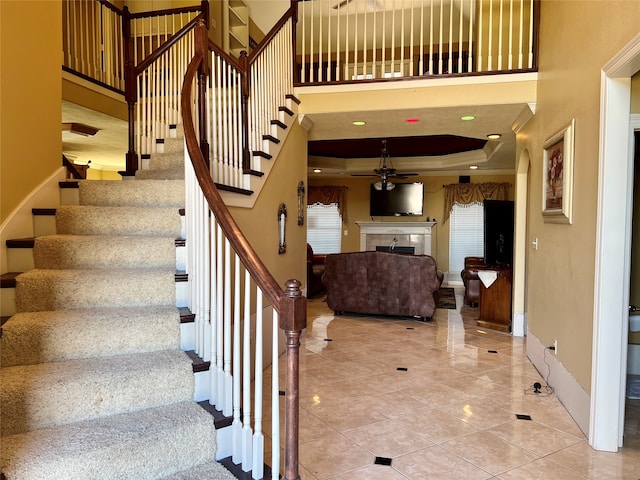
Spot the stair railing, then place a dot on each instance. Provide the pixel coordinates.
(388, 39)
(220, 258)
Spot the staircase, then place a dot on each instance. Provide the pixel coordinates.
(95, 382)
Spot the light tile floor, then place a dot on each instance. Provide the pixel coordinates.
(436, 400)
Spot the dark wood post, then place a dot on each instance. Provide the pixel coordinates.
(293, 319)
(244, 92)
(202, 47)
(130, 93)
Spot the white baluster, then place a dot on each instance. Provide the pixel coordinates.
(247, 432)
(258, 438)
(228, 380)
(236, 426)
(275, 402)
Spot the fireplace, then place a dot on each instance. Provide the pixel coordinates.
(401, 234)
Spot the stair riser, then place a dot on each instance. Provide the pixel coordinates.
(82, 390)
(145, 194)
(163, 222)
(39, 337)
(8, 306)
(78, 251)
(59, 290)
(145, 448)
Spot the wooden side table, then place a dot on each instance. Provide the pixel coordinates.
(495, 301)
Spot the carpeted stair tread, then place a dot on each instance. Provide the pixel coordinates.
(79, 251)
(53, 336)
(114, 220)
(180, 435)
(208, 471)
(130, 193)
(157, 174)
(44, 290)
(78, 390)
(167, 160)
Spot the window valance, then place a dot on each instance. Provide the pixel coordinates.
(327, 195)
(470, 193)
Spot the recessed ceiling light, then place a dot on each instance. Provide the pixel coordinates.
(473, 167)
(494, 136)
(359, 123)
(467, 117)
(412, 120)
(317, 170)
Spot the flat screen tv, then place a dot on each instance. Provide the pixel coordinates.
(405, 199)
(498, 232)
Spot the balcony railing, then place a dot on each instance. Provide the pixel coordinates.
(366, 40)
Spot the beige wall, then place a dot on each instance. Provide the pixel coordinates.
(358, 208)
(260, 224)
(30, 118)
(560, 275)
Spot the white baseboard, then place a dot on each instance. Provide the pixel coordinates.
(572, 396)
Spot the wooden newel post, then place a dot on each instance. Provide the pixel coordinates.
(130, 93)
(201, 45)
(293, 319)
(245, 88)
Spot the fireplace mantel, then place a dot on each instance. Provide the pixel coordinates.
(416, 234)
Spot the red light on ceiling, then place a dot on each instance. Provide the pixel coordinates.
(412, 120)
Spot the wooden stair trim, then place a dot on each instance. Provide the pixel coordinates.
(219, 419)
(228, 188)
(260, 153)
(271, 138)
(44, 211)
(293, 98)
(185, 315)
(286, 110)
(280, 124)
(199, 365)
(20, 242)
(255, 173)
(180, 242)
(69, 184)
(181, 276)
(8, 280)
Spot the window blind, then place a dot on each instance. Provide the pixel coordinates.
(324, 228)
(466, 235)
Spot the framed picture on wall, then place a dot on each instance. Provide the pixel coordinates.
(557, 176)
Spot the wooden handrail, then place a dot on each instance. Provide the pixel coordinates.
(290, 304)
(272, 33)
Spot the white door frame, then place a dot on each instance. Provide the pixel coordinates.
(613, 250)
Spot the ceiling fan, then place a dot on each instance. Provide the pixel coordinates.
(385, 171)
(373, 4)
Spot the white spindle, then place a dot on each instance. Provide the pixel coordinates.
(258, 437)
(219, 370)
(480, 32)
(490, 41)
(236, 426)
(440, 44)
(531, 34)
(275, 402)
(450, 59)
(500, 23)
(471, 23)
(460, 37)
(520, 34)
(247, 432)
(510, 59)
(227, 406)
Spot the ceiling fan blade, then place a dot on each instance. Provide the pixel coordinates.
(363, 175)
(404, 175)
(341, 4)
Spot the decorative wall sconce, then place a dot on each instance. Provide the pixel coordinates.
(282, 218)
(301, 203)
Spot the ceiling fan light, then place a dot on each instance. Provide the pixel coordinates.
(377, 186)
(390, 186)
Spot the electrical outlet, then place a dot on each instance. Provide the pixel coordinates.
(555, 347)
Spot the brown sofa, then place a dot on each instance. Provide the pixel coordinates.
(382, 283)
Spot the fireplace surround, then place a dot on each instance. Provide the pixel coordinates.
(400, 234)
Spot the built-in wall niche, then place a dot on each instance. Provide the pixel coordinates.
(397, 234)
